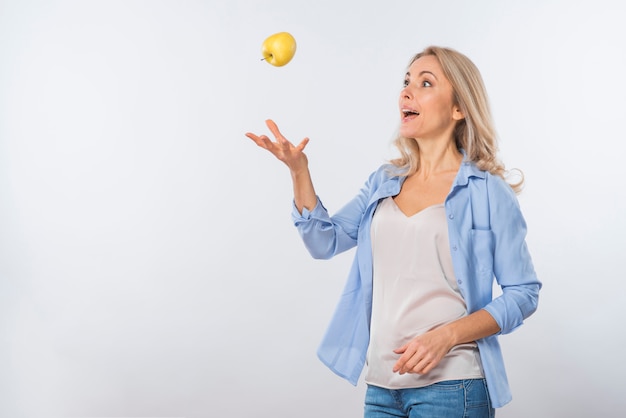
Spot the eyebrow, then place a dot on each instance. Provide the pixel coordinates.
(408, 73)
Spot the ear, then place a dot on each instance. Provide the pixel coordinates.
(457, 113)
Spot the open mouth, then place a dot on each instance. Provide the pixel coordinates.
(409, 112)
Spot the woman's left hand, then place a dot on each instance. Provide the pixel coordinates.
(424, 352)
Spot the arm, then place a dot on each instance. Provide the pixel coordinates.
(512, 263)
(323, 236)
(326, 236)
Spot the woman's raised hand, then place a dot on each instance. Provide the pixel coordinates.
(293, 156)
(290, 154)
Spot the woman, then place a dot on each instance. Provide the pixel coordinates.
(432, 230)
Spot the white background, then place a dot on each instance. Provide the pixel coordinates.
(148, 264)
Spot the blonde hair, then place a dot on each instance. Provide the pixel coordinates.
(475, 133)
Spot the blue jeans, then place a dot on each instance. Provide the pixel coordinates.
(449, 399)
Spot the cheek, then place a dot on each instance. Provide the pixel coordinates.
(444, 108)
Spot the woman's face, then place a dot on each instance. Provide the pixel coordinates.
(427, 109)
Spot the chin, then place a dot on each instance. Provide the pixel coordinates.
(406, 133)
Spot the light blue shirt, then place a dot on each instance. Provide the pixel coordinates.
(487, 240)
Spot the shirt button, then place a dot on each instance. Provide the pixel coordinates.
(460, 281)
(454, 248)
(451, 216)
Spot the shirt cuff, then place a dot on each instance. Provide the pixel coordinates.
(319, 211)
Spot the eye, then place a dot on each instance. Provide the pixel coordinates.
(405, 82)
(426, 83)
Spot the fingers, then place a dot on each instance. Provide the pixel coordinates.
(302, 144)
(412, 363)
(415, 359)
(262, 141)
(281, 142)
(402, 365)
(276, 132)
(401, 349)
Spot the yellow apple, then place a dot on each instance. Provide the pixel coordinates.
(279, 48)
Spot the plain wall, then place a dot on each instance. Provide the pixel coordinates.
(148, 264)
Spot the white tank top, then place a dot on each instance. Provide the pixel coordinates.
(414, 291)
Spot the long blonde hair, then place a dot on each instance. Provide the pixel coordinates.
(475, 133)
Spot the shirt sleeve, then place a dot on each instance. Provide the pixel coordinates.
(325, 236)
(512, 263)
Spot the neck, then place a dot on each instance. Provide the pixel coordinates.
(436, 157)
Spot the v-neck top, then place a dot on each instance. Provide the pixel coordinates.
(414, 291)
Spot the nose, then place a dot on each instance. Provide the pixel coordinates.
(405, 93)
